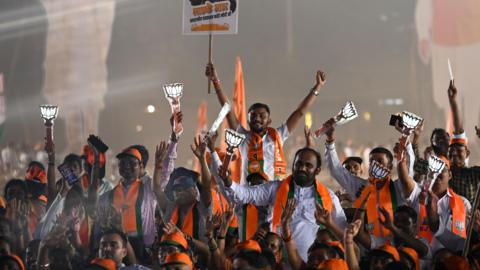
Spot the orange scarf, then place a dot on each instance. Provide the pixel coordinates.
(130, 206)
(459, 217)
(423, 227)
(287, 191)
(386, 198)
(250, 221)
(190, 221)
(256, 158)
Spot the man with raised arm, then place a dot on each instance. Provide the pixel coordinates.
(465, 179)
(262, 151)
(379, 190)
(302, 186)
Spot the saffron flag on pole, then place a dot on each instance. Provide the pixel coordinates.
(240, 111)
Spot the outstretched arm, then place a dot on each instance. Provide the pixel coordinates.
(293, 257)
(350, 247)
(452, 98)
(51, 185)
(199, 150)
(407, 181)
(302, 109)
(222, 98)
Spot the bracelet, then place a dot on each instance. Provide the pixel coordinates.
(221, 237)
(314, 91)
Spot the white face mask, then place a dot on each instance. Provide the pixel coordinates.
(377, 171)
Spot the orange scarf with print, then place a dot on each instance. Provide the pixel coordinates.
(256, 158)
(385, 197)
(459, 218)
(130, 206)
(287, 191)
(190, 221)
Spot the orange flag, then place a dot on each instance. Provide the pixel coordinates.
(239, 106)
(202, 118)
(240, 110)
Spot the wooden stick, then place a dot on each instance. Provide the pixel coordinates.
(209, 58)
(466, 247)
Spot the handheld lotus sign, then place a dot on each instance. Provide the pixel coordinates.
(435, 167)
(233, 140)
(347, 114)
(173, 93)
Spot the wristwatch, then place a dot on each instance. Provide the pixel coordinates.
(315, 91)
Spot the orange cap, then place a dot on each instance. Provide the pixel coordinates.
(180, 258)
(337, 245)
(88, 153)
(108, 264)
(175, 238)
(410, 252)
(249, 245)
(18, 260)
(37, 174)
(391, 250)
(132, 152)
(334, 264)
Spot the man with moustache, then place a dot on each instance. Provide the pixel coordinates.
(302, 187)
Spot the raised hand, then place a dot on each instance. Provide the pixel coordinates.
(177, 129)
(211, 141)
(287, 217)
(161, 151)
(227, 218)
(352, 229)
(386, 219)
(452, 91)
(212, 223)
(320, 78)
(211, 73)
(308, 137)
(322, 216)
(330, 124)
(198, 148)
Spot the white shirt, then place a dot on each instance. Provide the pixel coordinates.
(444, 237)
(353, 185)
(268, 151)
(303, 226)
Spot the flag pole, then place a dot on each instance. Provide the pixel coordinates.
(209, 57)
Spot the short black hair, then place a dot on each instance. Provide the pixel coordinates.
(73, 158)
(36, 163)
(317, 245)
(253, 258)
(359, 160)
(383, 150)
(15, 182)
(319, 157)
(143, 152)
(258, 106)
(438, 130)
(122, 235)
(409, 211)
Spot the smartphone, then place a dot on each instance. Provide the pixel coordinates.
(394, 119)
(68, 174)
(98, 143)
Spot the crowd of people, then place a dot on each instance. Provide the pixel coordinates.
(260, 218)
